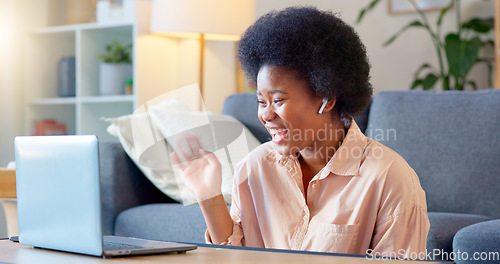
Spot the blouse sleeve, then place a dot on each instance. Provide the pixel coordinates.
(402, 224)
(405, 235)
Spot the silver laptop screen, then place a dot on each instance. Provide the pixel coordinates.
(58, 193)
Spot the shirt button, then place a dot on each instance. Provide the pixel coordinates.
(306, 218)
(314, 185)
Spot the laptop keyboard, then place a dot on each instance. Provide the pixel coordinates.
(117, 246)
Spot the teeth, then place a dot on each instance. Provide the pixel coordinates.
(274, 131)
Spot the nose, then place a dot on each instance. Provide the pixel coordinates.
(267, 113)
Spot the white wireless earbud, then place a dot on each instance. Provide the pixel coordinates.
(325, 100)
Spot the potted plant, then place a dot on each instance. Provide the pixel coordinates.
(116, 68)
(457, 52)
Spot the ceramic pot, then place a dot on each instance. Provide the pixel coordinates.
(113, 77)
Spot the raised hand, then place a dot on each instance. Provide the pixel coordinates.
(198, 168)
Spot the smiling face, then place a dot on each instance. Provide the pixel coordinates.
(289, 110)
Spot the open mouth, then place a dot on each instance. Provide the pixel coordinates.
(278, 134)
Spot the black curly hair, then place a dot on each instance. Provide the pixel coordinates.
(322, 48)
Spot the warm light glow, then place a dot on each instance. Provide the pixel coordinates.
(223, 37)
(187, 35)
(6, 27)
(208, 36)
(212, 18)
(218, 20)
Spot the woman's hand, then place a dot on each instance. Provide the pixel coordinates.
(200, 169)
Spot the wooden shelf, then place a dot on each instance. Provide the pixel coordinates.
(54, 101)
(75, 27)
(108, 99)
(87, 99)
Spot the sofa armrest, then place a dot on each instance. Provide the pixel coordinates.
(479, 242)
(122, 185)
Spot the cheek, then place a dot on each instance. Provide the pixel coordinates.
(302, 123)
(291, 115)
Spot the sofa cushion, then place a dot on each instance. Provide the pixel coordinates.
(481, 240)
(362, 118)
(120, 176)
(143, 135)
(449, 139)
(443, 228)
(165, 222)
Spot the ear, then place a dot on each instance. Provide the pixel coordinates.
(329, 105)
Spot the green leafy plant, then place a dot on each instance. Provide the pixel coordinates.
(117, 52)
(457, 52)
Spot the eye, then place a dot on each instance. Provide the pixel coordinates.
(261, 102)
(277, 101)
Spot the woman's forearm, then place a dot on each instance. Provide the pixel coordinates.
(219, 222)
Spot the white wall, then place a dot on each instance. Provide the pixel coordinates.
(393, 66)
(10, 87)
(10, 80)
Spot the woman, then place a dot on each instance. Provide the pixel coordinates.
(320, 184)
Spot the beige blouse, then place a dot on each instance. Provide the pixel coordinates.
(366, 198)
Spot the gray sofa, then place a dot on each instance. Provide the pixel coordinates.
(449, 138)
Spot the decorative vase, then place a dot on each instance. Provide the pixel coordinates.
(66, 77)
(113, 77)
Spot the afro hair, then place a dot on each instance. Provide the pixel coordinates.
(319, 46)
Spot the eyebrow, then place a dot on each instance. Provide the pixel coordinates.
(274, 92)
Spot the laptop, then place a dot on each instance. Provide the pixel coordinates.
(58, 199)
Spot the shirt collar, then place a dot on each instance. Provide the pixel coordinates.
(347, 159)
(345, 162)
